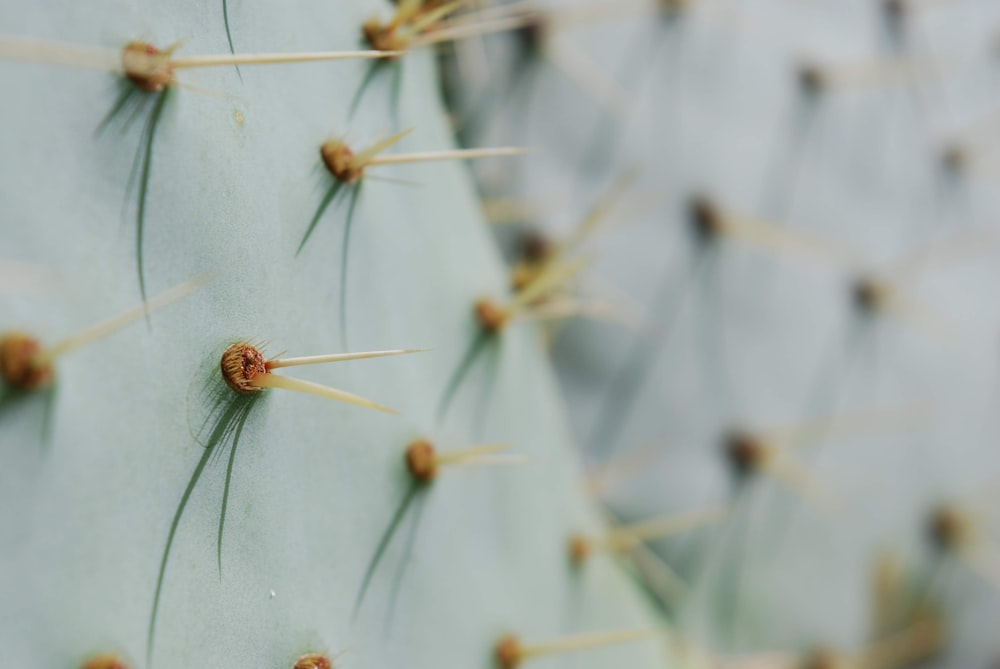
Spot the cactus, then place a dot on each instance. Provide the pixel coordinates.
(167, 503)
(146, 442)
(806, 277)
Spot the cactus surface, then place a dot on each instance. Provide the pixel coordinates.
(166, 502)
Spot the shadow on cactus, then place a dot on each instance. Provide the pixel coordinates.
(229, 35)
(229, 395)
(142, 90)
(423, 463)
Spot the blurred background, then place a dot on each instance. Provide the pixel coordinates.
(789, 211)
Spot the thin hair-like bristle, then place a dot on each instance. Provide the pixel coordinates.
(383, 543)
(229, 35)
(345, 253)
(461, 370)
(230, 414)
(329, 197)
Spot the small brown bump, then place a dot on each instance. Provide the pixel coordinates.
(426, 5)
(491, 316)
(421, 460)
(508, 652)
(338, 157)
(895, 9)
(313, 661)
(580, 548)
(706, 218)
(868, 294)
(536, 247)
(531, 36)
(146, 66)
(383, 37)
(17, 362)
(241, 364)
(949, 528)
(955, 158)
(824, 658)
(812, 79)
(672, 6)
(746, 452)
(105, 661)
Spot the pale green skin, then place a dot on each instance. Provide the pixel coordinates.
(84, 518)
(717, 131)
